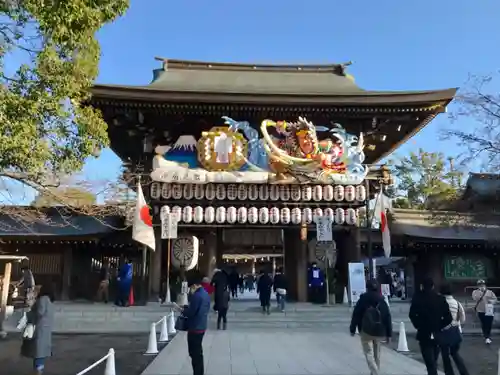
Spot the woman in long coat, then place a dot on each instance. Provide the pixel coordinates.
(39, 346)
(264, 286)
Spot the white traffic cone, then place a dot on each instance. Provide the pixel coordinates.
(345, 299)
(402, 343)
(171, 324)
(152, 344)
(163, 330)
(110, 363)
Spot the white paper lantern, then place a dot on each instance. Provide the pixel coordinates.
(339, 216)
(338, 193)
(350, 193)
(317, 193)
(274, 215)
(350, 216)
(187, 214)
(164, 211)
(253, 192)
(166, 191)
(253, 215)
(242, 215)
(198, 214)
(285, 215)
(264, 192)
(306, 193)
(307, 216)
(188, 191)
(274, 192)
(177, 211)
(199, 192)
(231, 215)
(220, 215)
(284, 192)
(209, 215)
(176, 191)
(263, 215)
(328, 212)
(155, 190)
(318, 212)
(296, 215)
(360, 193)
(210, 192)
(220, 192)
(232, 192)
(295, 193)
(242, 192)
(328, 193)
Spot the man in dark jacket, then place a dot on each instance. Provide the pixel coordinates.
(197, 315)
(429, 314)
(280, 286)
(372, 317)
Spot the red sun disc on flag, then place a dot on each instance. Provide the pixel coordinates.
(145, 216)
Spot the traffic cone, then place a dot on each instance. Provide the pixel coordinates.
(402, 342)
(345, 299)
(171, 324)
(110, 363)
(131, 299)
(152, 345)
(163, 330)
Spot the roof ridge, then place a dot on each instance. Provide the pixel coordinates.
(339, 69)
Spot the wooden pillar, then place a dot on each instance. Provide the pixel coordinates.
(155, 266)
(296, 256)
(5, 294)
(302, 257)
(66, 273)
(353, 245)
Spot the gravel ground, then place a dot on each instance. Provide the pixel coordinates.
(74, 352)
(480, 359)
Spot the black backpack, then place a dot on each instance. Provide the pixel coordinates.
(372, 323)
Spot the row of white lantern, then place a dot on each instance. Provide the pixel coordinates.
(254, 215)
(254, 192)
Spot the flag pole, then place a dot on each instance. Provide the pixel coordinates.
(369, 222)
(167, 292)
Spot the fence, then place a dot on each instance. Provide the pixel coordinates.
(110, 364)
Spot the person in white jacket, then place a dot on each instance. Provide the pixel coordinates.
(485, 300)
(458, 315)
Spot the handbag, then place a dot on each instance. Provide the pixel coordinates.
(29, 331)
(281, 291)
(181, 324)
(489, 309)
(449, 336)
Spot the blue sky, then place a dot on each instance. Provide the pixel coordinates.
(394, 45)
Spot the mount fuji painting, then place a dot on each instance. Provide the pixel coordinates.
(184, 151)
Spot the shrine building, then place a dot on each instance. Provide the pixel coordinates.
(247, 156)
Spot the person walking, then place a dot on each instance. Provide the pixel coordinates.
(196, 314)
(264, 286)
(429, 314)
(37, 344)
(485, 309)
(450, 337)
(221, 305)
(234, 279)
(280, 286)
(372, 317)
(103, 288)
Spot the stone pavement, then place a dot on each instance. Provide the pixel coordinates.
(279, 353)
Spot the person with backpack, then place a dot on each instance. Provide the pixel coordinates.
(485, 309)
(450, 337)
(372, 318)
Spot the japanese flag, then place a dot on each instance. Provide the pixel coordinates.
(142, 229)
(382, 205)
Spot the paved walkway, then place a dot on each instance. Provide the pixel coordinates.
(279, 353)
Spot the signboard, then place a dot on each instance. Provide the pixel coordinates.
(465, 268)
(168, 226)
(385, 289)
(357, 281)
(323, 228)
